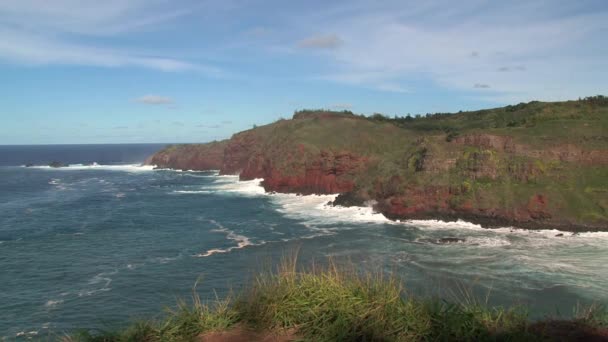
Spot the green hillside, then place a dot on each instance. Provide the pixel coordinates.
(536, 165)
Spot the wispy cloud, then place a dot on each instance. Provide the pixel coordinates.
(512, 68)
(385, 46)
(154, 100)
(36, 32)
(212, 126)
(87, 17)
(330, 41)
(341, 106)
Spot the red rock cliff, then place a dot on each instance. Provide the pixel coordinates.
(190, 157)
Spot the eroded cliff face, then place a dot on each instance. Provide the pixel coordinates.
(238, 152)
(190, 157)
(438, 203)
(327, 173)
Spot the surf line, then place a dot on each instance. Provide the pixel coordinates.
(241, 240)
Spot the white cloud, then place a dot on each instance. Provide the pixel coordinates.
(547, 49)
(154, 100)
(29, 49)
(36, 32)
(87, 17)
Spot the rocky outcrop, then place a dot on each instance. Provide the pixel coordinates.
(437, 203)
(56, 164)
(329, 173)
(190, 157)
(238, 152)
(325, 173)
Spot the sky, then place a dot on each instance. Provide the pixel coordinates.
(135, 71)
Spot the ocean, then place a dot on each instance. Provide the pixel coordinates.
(106, 241)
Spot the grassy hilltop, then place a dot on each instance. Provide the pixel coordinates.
(340, 304)
(536, 165)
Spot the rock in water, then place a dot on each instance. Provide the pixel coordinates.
(57, 164)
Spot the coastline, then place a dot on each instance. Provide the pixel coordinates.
(482, 221)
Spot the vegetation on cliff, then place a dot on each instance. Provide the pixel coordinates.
(338, 303)
(535, 165)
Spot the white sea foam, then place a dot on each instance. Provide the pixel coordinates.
(484, 241)
(314, 210)
(241, 240)
(193, 171)
(231, 184)
(102, 277)
(52, 303)
(166, 260)
(195, 174)
(192, 192)
(310, 207)
(95, 166)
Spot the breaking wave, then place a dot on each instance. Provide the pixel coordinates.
(95, 166)
(241, 240)
(315, 211)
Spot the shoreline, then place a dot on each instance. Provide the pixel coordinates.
(485, 222)
(490, 223)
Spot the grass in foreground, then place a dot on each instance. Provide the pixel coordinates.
(340, 304)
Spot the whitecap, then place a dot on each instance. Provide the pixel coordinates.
(486, 241)
(191, 192)
(102, 277)
(166, 260)
(246, 188)
(241, 241)
(95, 166)
(215, 172)
(92, 292)
(52, 303)
(315, 209)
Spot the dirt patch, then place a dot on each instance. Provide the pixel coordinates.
(569, 331)
(243, 334)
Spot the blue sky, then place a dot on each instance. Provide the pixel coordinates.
(87, 71)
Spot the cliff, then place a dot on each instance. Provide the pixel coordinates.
(208, 156)
(534, 165)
